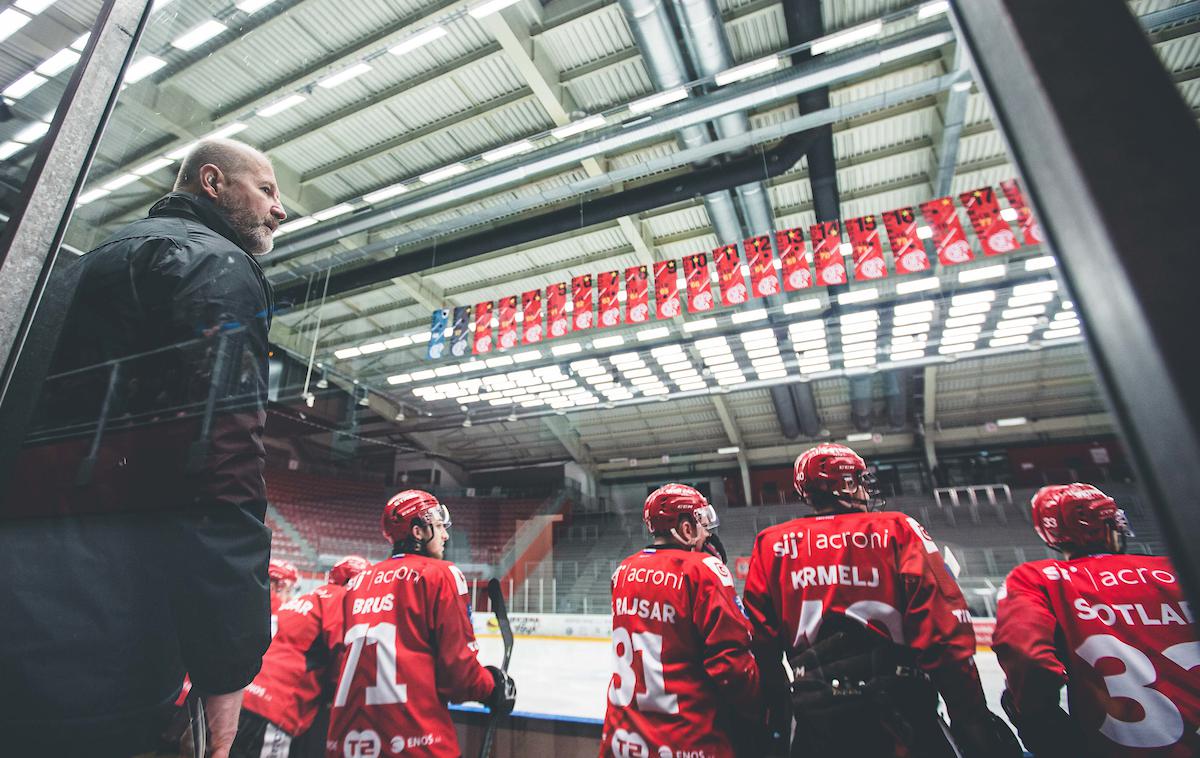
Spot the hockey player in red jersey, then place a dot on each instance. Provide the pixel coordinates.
(283, 577)
(872, 622)
(681, 644)
(1114, 628)
(409, 645)
(280, 708)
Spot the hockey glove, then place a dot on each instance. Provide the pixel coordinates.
(504, 694)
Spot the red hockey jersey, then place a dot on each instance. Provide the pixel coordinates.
(882, 569)
(409, 650)
(681, 649)
(1117, 631)
(287, 690)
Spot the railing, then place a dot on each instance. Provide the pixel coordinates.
(972, 493)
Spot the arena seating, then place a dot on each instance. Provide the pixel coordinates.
(341, 516)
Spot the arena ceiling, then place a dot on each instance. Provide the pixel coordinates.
(425, 148)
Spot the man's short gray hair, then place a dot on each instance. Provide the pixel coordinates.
(231, 156)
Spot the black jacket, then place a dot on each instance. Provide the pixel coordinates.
(132, 545)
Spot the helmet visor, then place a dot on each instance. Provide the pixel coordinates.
(439, 515)
(707, 518)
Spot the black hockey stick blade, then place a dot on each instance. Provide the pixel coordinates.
(496, 598)
(501, 611)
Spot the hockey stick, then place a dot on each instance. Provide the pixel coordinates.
(497, 600)
(199, 726)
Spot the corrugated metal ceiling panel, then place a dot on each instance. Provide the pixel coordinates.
(587, 39)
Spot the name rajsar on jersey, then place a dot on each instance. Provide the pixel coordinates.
(642, 608)
(1135, 613)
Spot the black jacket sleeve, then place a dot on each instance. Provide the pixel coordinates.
(212, 297)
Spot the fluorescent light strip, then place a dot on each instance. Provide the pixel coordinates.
(986, 296)
(1045, 285)
(907, 355)
(333, 212)
(1016, 339)
(1016, 421)
(11, 21)
(747, 70)
(569, 348)
(508, 151)
(917, 285)
(291, 226)
(742, 317)
(418, 40)
(846, 38)
(227, 131)
(578, 127)
(1041, 263)
(196, 37)
(699, 325)
(935, 8)
(143, 67)
(58, 63)
(121, 181)
(445, 172)
(858, 296)
(385, 193)
(658, 100)
(23, 86)
(1031, 310)
(250, 6)
(343, 76)
(921, 306)
(1054, 334)
(980, 274)
(151, 166)
(603, 342)
(800, 306)
(10, 148)
(654, 333)
(274, 109)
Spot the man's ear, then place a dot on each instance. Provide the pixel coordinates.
(211, 179)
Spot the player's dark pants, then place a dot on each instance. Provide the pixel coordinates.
(259, 738)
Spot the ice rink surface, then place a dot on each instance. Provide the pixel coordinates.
(559, 677)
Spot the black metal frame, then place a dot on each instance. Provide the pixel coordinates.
(1111, 155)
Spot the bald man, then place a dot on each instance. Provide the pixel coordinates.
(139, 553)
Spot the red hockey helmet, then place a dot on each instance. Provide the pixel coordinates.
(282, 571)
(347, 568)
(405, 506)
(835, 470)
(669, 502)
(1076, 515)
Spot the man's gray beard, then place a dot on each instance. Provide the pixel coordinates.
(252, 235)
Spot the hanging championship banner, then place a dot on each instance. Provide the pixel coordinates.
(827, 253)
(581, 299)
(506, 337)
(763, 279)
(608, 284)
(556, 310)
(1031, 230)
(699, 287)
(666, 289)
(796, 274)
(483, 327)
(994, 233)
(948, 234)
(531, 326)
(729, 275)
(908, 250)
(437, 333)
(459, 331)
(637, 295)
(868, 250)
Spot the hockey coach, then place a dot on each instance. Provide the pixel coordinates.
(132, 543)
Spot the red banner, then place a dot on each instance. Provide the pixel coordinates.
(827, 253)
(666, 289)
(483, 328)
(763, 279)
(581, 300)
(556, 310)
(796, 274)
(729, 275)
(531, 307)
(948, 234)
(609, 284)
(506, 337)
(699, 287)
(908, 251)
(637, 295)
(983, 208)
(868, 250)
(1031, 230)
